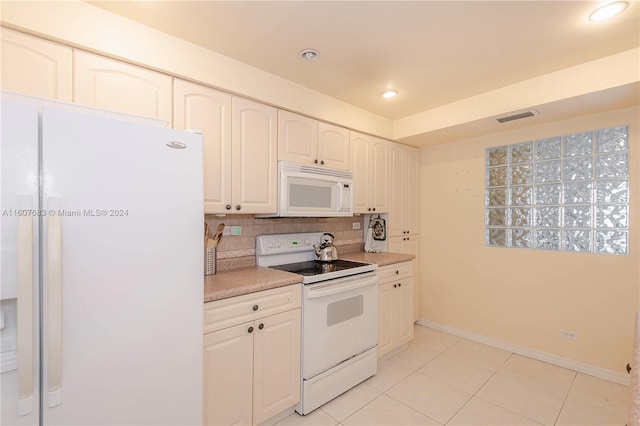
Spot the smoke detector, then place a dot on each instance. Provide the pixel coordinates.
(309, 54)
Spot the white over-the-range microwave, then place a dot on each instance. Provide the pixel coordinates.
(308, 191)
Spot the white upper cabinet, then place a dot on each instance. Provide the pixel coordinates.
(297, 138)
(106, 83)
(370, 168)
(403, 190)
(333, 146)
(307, 141)
(254, 157)
(240, 145)
(209, 111)
(36, 67)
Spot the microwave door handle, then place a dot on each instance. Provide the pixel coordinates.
(317, 291)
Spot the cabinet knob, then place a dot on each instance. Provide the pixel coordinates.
(250, 330)
(400, 285)
(374, 209)
(395, 285)
(397, 272)
(315, 161)
(369, 209)
(238, 207)
(322, 162)
(228, 207)
(261, 326)
(408, 238)
(255, 307)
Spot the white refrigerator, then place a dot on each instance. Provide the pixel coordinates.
(102, 269)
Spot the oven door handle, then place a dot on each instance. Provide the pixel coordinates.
(322, 290)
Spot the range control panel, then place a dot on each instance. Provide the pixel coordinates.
(286, 243)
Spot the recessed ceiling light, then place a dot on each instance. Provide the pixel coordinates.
(608, 11)
(309, 54)
(390, 94)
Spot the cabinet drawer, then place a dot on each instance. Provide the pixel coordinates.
(236, 310)
(395, 271)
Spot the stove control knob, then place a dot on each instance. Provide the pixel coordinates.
(307, 242)
(277, 243)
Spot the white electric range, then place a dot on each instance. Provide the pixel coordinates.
(339, 316)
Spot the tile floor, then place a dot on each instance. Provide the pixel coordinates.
(441, 379)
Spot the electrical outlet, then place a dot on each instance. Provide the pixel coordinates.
(226, 230)
(236, 230)
(355, 225)
(569, 334)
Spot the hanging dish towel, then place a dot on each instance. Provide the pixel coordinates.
(379, 228)
(368, 239)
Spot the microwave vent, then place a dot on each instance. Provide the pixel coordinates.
(302, 168)
(518, 116)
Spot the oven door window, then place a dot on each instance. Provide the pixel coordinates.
(344, 310)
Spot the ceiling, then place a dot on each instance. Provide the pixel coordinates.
(432, 52)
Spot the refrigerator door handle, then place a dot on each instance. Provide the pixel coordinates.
(54, 342)
(25, 315)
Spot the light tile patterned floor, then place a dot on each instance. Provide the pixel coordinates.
(441, 379)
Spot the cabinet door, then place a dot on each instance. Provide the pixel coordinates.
(379, 176)
(276, 382)
(397, 191)
(254, 157)
(228, 376)
(333, 146)
(106, 83)
(208, 110)
(36, 67)
(297, 138)
(385, 318)
(411, 192)
(403, 312)
(359, 167)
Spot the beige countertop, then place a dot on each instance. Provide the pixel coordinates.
(241, 281)
(382, 259)
(236, 282)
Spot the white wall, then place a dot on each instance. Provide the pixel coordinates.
(524, 296)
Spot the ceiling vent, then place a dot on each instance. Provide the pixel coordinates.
(518, 116)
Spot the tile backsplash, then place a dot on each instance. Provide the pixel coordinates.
(237, 251)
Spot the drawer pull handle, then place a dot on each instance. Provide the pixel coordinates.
(255, 307)
(261, 326)
(250, 330)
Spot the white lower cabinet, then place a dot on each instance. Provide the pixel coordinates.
(395, 306)
(251, 368)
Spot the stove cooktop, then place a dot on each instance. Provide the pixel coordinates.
(315, 268)
(295, 253)
(314, 271)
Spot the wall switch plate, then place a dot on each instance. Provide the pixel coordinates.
(355, 225)
(569, 334)
(236, 230)
(226, 230)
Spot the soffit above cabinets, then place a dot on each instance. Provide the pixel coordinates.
(433, 52)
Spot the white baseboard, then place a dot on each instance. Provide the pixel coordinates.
(581, 367)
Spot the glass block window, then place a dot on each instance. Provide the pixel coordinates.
(566, 193)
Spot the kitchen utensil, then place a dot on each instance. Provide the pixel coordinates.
(218, 235)
(326, 251)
